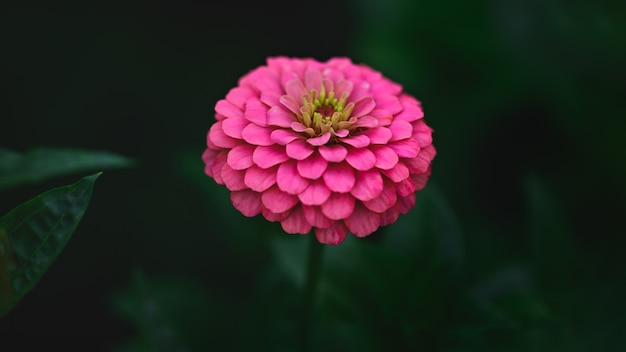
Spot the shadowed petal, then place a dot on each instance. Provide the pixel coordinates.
(405, 187)
(338, 206)
(208, 157)
(291, 103)
(296, 223)
(421, 179)
(422, 133)
(259, 179)
(247, 202)
(315, 194)
(233, 179)
(268, 156)
(333, 235)
(278, 201)
(407, 203)
(385, 200)
(271, 216)
(216, 167)
(296, 89)
(288, 178)
(312, 167)
(397, 173)
(390, 216)
(362, 222)
(315, 217)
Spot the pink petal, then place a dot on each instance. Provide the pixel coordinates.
(361, 159)
(315, 217)
(384, 201)
(208, 157)
(233, 126)
(390, 216)
(406, 148)
(238, 96)
(333, 235)
(313, 79)
(278, 201)
(271, 216)
(277, 116)
(284, 137)
(247, 202)
(405, 187)
(358, 141)
(378, 135)
(227, 109)
(312, 167)
(339, 178)
(368, 185)
(397, 173)
(400, 129)
(316, 141)
(338, 206)
(256, 112)
(296, 222)
(334, 152)
(366, 121)
(363, 106)
(219, 138)
(233, 179)
(291, 103)
(216, 167)
(422, 133)
(268, 156)
(343, 86)
(240, 157)
(362, 222)
(288, 178)
(315, 194)
(421, 179)
(259, 179)
(386, 158)
(299, 150)
(419, 164)
(389, 102)
(407, 203)
(257, 135)
(296, 89)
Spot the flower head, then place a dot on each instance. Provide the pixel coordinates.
(330, 146)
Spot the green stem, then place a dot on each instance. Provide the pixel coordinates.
(310, 287)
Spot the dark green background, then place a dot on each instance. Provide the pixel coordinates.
(526, 98)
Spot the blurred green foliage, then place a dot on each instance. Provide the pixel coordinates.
(515, 245)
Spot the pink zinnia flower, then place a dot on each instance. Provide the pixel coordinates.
(329, 146)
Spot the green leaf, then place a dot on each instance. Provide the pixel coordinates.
(41, 164)
(33, 234)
